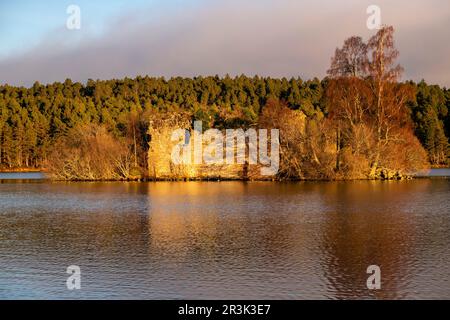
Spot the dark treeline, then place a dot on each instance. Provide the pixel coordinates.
(31, 119)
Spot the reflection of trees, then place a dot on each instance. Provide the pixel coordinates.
(366, 225)
(78, 221)
(283, 239)
(221, 234)
(196, 223)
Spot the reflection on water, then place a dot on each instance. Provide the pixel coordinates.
(438, 172)
(21, 176)
(225, 240)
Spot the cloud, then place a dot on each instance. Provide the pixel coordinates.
(268, 38)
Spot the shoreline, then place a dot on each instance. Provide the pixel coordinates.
(22, 170)
(221, 179)
(144, 180)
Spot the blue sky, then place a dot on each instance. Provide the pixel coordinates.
(23, 23)
(278, 38)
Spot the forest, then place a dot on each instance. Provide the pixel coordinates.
(58, 126)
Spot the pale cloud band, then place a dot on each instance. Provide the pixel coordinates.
(269, 38)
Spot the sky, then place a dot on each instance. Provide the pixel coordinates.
(278, 38)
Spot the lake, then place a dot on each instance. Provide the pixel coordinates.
(434, 173)
(21, 176)
(225, 240)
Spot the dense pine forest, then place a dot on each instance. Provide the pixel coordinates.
(32, 119)
(47, 122)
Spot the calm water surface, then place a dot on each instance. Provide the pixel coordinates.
(21, 176)
(227, 240)
(440, 172)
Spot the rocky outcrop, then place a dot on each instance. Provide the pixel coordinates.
(388, 174)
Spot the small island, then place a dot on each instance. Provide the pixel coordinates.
(360, 122)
